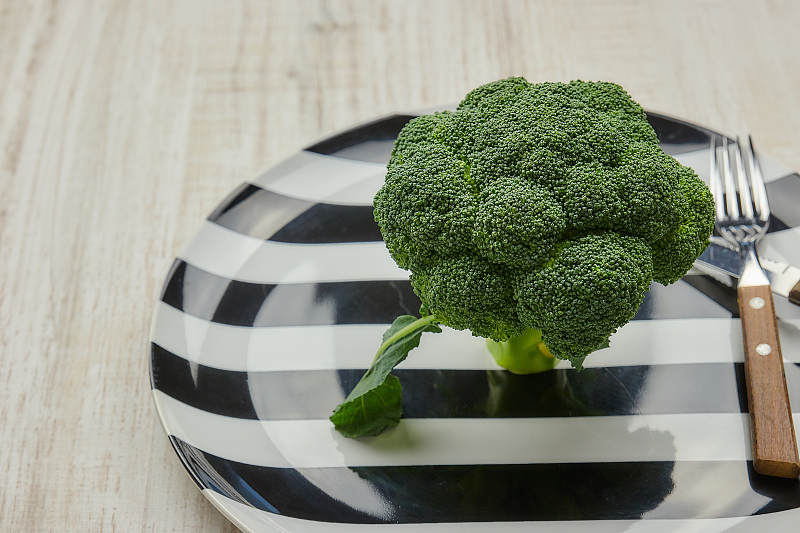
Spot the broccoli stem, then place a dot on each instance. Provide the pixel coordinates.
(523, 354)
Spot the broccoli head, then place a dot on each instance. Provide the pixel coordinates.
(546, 206)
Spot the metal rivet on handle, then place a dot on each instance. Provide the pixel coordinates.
(757, 302)
(764, 349)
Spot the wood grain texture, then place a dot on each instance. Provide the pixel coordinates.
(122, 124)
(774, 443)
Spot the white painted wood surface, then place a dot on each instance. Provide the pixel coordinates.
(122, 124)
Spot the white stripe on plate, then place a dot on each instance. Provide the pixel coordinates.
(455, 441)
(264, 349)
(325, 178)
(233, 255)
(782, 246)
(254, 520)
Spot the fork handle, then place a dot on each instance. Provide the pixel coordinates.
(774, 442)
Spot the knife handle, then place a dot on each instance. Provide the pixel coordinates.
(774, 442)
(794, 294)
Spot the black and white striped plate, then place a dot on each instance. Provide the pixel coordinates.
(270, 316)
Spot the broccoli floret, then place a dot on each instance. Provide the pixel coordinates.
(569, 297)
(484, 293)
(545, 206)
(674, 253)
(536, 216)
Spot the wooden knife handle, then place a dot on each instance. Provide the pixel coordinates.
(774, 442)
(794, 294)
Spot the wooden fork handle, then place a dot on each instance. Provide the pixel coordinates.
(774, 442)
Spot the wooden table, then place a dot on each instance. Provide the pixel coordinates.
(122, 124)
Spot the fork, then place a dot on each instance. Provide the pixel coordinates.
(742, 218)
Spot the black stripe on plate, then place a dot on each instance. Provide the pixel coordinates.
(205, 295)
(677, 136)
(344, 144)
(326, 223)
(263, 214)
(240, 303)
(606, 391)
(776, 224)
(224, 392)
(504, 492)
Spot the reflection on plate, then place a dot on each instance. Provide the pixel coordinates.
(271, 314)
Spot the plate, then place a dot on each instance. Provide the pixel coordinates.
(271, 314)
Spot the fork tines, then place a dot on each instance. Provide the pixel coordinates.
(740, 196)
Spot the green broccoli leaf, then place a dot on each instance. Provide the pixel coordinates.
(375, 403)
(374, 411)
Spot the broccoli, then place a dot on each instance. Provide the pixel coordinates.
(536, 216)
